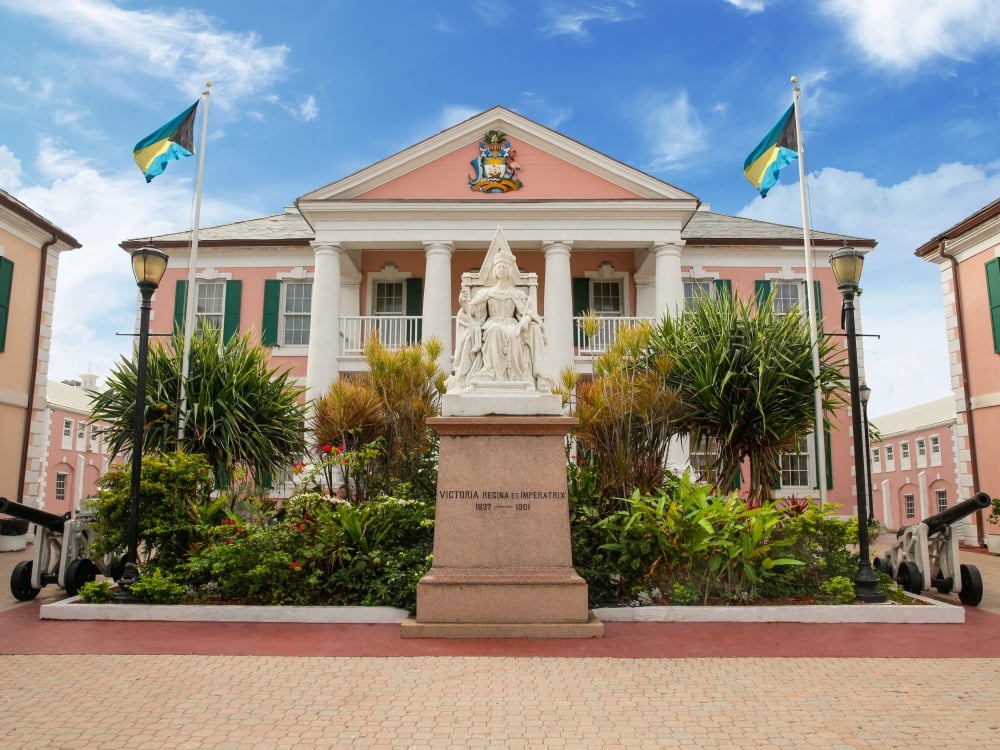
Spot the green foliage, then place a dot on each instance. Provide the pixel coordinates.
(174, 500)
(745, 378)
(995, 511)
(96, 592)
(156, 587)
(626, 415)
(691, 534)
(388, 407)
(319, 550)
(838, 590)
(591, 561)
(240, 412)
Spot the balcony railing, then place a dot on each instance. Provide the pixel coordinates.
(398, 331)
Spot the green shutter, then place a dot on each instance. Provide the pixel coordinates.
(272, 303)
(761, 290)
(414, 308)
(6, 284)
(829, 457)
(180, 298)
(993, 289)
(723, 288)
(819, 304)
(231, 316)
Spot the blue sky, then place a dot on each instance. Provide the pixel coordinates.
(900, 111)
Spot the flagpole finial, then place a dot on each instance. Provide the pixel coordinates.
(795, 79)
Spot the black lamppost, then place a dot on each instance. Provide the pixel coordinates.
(866, 393)
(846, 264)
(148, 265)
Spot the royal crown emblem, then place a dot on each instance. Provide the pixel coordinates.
(496, 166)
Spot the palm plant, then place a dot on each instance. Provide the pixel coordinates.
(626, 416)
(240, 413)
(745, 378)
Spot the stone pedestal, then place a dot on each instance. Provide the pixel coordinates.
(503, 565)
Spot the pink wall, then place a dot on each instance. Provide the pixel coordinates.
(64, 457)
(891, 482)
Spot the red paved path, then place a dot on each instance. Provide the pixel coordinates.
(21, 632)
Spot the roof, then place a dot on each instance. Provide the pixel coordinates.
(11, 203)
(289, 228)
(970, 222)
(70, 397)
(922, 416)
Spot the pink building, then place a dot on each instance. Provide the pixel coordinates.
(384, 249)
(968, 255)
(74, 457)
(30, 247)
(913, 464)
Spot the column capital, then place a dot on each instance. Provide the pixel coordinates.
(668, 248)
(437, 246)
(557, 246)
(326, 247)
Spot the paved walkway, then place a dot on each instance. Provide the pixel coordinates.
(644, 685)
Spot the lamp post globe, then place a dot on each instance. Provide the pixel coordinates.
(148, 265)
(847, 264)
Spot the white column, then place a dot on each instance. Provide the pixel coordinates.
(669, 285)
(558, 302)
(437, 299)
(324, 332)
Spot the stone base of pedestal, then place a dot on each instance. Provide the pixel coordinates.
(502, 560)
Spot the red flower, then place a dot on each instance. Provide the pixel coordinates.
(327, 448)
(296, 566)
(340, 449)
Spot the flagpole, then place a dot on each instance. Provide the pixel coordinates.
(191, 301)
(810, 300)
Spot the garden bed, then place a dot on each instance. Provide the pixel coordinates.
(890, 612)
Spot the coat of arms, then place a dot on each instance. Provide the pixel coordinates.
(496, 166)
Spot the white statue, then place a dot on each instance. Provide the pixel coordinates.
(500, 337)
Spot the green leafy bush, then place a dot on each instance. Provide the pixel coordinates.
(838, 590)
(156, 587)
(96, 592)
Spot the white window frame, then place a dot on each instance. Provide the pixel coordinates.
(67, 434)
(798, 462)
(94, 446)
(909, 506)
(921, 453)
(890, 458)
(705, 290)
(606, 274)
(81, 435)
(876, 460)
(940, 495)
(935, 450)
(904, 455)
(61, 485)
(284, 314)
(782, 303)
(202, 317)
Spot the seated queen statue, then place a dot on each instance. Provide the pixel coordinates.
(500, 337)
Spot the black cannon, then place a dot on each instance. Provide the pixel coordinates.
(925, 555)
(60, 552)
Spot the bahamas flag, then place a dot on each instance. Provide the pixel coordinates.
(779, 148)
(175, 140)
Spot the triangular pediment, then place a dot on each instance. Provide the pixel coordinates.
(547, 164)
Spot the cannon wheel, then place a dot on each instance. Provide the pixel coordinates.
(79, 572)
(20, 582)
(972, 585)
(908, 576)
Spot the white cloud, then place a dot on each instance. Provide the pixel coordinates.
(902, 34)
(10, 170)
(182, 47)
(573, 19)
(908, 363)
(96, 293)
(672, 130)
(748, 6)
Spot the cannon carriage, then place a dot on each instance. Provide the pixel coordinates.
(925, 555)
(61, 555)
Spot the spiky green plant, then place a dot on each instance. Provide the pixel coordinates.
(240, 411)
(745, 377)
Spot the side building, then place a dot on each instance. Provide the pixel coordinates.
(913, 463)
(968, 256)
(385, 250)
(30, 247)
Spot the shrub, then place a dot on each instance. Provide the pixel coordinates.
(96, 592)
(157, 588)
(838, 590)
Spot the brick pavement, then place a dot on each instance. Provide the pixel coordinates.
(521, 695)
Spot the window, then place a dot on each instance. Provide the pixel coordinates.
(61, 480)
(890, 459)
(6, 285)
(904, 456)
(942, 500)
(94, 446)
(909, 506)
(388, 298)
(795, 466)
(607, 298)
(935, 444)
(296, 308)
(786, 296)
(695, 292)
(993, 291)
(217, 305)
(876, 459)
(921, 453)
(700, 459)
(67, 428)
(210, 304)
